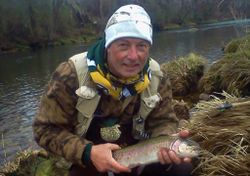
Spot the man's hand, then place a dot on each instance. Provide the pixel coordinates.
(167, 156)
(101, 157)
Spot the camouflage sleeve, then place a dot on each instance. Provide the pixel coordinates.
(54, 124)
(162, 120)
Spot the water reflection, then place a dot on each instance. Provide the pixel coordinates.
(23, 76)
(207, 41)
(22, 80)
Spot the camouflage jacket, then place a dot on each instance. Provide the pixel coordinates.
(55, 124)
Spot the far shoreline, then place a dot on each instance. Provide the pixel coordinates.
(87, 39)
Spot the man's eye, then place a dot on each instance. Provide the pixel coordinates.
(123, 45)
(142, 46)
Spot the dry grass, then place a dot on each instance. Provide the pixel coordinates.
(224, 136)
(184, 73)
(181, 109)
(231, 73)
(239, 45)
(24, 164)
(3, 145)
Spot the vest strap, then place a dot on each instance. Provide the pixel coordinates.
(149, 99)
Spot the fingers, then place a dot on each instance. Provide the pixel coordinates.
(187, 160)
(184, 133)
(114, 165)
(173, 157)
(163, 156)
(117, 168)
(101, 157)
(114, 146)
(160, 157)
(168, 156)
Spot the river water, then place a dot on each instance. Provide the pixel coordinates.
(23, 75)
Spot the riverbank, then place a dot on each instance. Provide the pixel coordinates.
(90, 36)
(14, 47)
(192, 27)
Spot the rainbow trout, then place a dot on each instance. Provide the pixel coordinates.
(145, 152)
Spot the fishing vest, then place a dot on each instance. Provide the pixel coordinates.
(88, 99)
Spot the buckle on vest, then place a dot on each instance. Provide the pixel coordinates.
(139, 120)
(138, 129)
(141, 135)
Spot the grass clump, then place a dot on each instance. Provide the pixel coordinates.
(32, 162)
(223, 133)
(184, 73)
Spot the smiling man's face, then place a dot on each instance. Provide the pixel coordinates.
(127, 56)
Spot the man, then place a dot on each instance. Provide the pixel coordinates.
(111, 96)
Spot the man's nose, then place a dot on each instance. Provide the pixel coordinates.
(132, 53)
